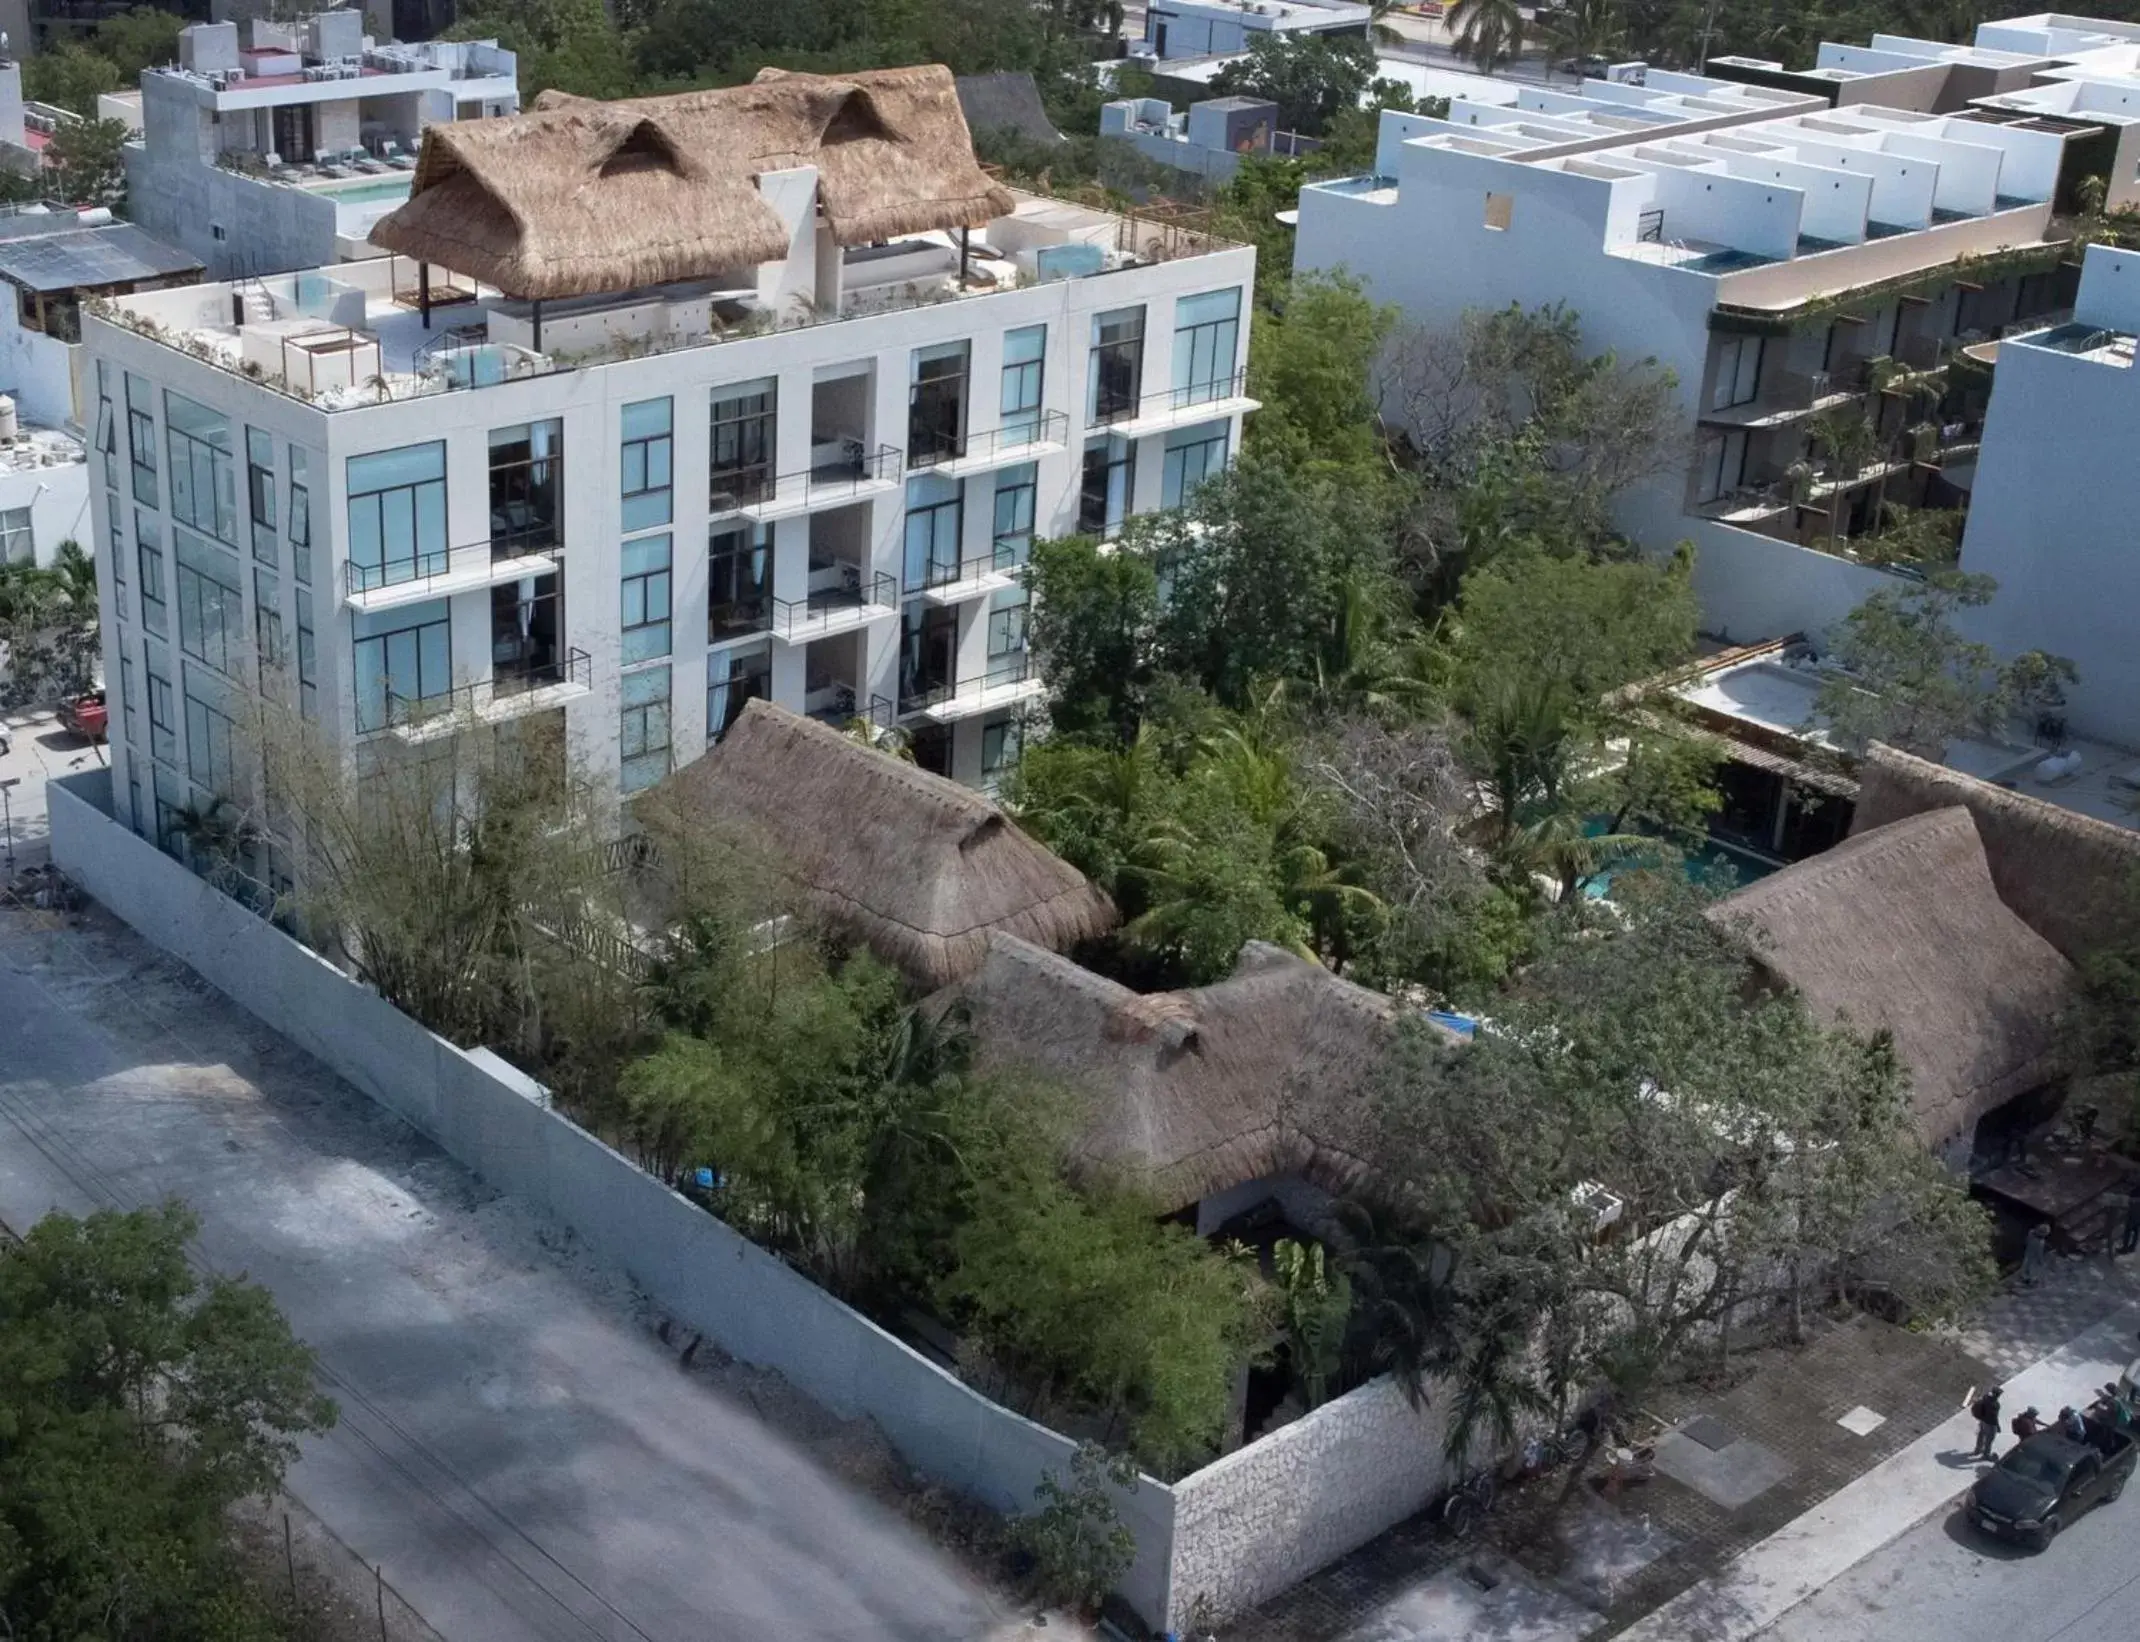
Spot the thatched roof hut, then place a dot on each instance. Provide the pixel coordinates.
(579, 197)
(2071, 878)
(1902, 929)
(1261, 1074)
(919, 869)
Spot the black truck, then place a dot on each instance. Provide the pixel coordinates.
(2043, 1484)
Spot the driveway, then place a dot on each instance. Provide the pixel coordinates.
(41, 750)
(517, 1451)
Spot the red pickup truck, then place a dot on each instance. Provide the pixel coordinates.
(86, 716)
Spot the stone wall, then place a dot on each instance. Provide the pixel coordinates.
(1260, 1520)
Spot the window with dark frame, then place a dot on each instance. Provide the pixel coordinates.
(643, 729)
(413, 662)
(1104, 493)
(204, 482)
(1207, 340)
(645, 598)
(936, 404)
(734, 679)
(527, 489)
(743, 445)
(141, 438)
(397, 515)
(163, 725)
(260, 494)
(647, 459)
(1117, 366)
(739, 583)
(1024, 367)
(148, 541)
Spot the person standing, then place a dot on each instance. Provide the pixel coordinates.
(2027, 1424)
(2034, 1252)
(1985, 1411)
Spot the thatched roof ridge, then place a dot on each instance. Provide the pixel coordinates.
(918, 868)
(2070, 877)
(1901, 929)
(1261, 1074)
(576, 196)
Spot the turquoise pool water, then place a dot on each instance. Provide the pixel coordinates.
(379, 188)
(1718, 866)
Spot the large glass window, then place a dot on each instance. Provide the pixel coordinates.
(411, 663)
(260, 493)
(267, 623)
(18, 536)
(1193, 455)
(1001, 743)
(744, 440)
(928, 655)
(1207, 339)
(141, 438)
(1104, 494)
(525, 624)
(739, 582)
(163, 714)
(211, 602)
(643, 729)
(1738, 372)
(1017, 491)
(646, 598)
(128, 697)
(307, 658)
(155, 612)
(300, 520)
(527, 489)
(1723, 465)
(935, 519)
(1024, 364)
(734, 677)
(648, 458)
(209, 735)
(116, 553)
(936, 404)
(204, 480)
(1116, 377)
(107, 430)
(1006, 624)
(397, 515)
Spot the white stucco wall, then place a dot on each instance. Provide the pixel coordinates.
(2052, 516)
(58, 500)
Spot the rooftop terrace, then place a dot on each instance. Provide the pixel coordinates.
(354, 334)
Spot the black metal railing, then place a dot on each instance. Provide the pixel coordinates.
(738, 618)
(482, 697)
(878, 711)
(1187, 397)
(1000, 675)
(799, 618)
(438, 564)
(1047, 427)
(1004, 559)
(820, 484)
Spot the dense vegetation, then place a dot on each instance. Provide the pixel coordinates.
(138, 1403)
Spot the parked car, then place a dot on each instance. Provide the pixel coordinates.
(85, 716)
(2043, 1484)
(1585, 68)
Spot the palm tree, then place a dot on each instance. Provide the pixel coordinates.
(1489, 32)
(1580, 29)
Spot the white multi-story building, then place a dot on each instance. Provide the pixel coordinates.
(1216, 28)
(2057, 491)
(281, 154)
(740, 393)
(1784, 269)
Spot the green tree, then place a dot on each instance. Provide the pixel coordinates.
(1080, 1549)
(1909, 678)
(1755, 1156)
(86, 162)
(1578, 30)
(1090, 634)
(142, 38)
(1309, 76)
(562, 45)
(1311, 362)
(71, 77)
(138, 1403)
(48, 627)
(1489, 32)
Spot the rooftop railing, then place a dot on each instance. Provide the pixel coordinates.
(820, 485)
(793, 619)
(482, 698)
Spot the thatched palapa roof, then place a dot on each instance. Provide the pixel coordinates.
(1261, 1074)
(1902, 929)
(579, 197)
(2071, 878)
(918, 868)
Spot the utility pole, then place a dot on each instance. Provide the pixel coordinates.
(1708, 28)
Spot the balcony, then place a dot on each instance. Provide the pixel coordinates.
(1186, 407)
(841, 471)
(1789, 397)
(1009, 683)
(440, 575)
(418, 719)
(989, 572)
(857, 601)
(839, 705)
(1045, 434)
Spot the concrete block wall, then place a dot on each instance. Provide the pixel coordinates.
(747, 1301)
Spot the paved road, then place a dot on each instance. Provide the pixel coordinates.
(1942, 1581)
(516, 1449)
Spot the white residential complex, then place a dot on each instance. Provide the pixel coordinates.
(660, 421)
(280, 154)
(1211, 28)
(1789, 270)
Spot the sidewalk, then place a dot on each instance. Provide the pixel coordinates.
(1771, 1578)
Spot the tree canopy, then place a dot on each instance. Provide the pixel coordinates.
(138, 1402)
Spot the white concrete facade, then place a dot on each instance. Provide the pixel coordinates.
(1715, 251)
(44, 495)
(281, 154)
(2057, 492)
(1207, 28)
(853, 573)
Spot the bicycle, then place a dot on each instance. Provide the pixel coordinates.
(1465, 1506)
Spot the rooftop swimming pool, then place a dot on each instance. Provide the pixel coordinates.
(370, 192)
